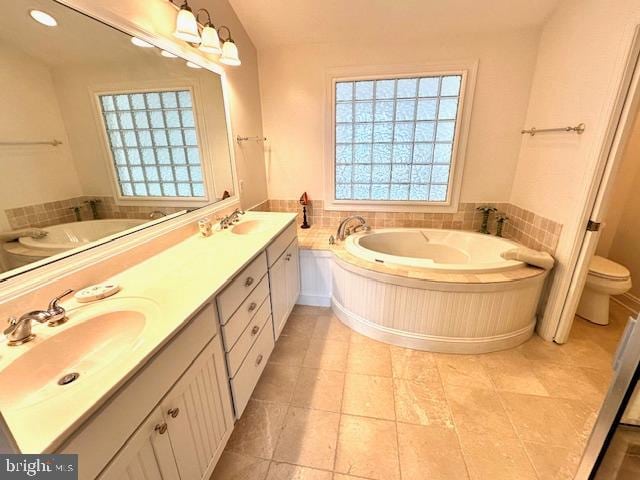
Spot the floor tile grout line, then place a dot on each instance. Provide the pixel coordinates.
(513, 426)
(344, 383)
(453, 420)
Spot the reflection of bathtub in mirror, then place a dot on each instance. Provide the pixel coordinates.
(71, 235)
(63, 237)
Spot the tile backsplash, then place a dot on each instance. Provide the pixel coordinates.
(522, 225)
(55, 213)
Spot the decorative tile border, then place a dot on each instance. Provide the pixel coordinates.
(523, 226)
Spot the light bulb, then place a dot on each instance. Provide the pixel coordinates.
(43, 18)
(138, 42)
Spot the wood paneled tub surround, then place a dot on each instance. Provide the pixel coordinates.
(438, 290)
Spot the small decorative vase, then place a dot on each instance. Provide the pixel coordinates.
(304, 201)
(486, 211)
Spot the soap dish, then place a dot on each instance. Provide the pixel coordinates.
(96, 292)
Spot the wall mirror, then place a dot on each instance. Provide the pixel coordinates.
(100, 133)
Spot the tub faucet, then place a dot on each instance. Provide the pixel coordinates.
(343, 232)
(19, 329)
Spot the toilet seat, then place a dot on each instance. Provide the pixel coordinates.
(605, 268)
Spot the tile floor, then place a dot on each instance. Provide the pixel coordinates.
(335, 405)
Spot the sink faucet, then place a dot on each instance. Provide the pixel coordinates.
(343, 232)
(19, 329)
(235, 216)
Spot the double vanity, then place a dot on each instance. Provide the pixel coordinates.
(152, 379)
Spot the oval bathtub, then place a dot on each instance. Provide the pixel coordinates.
(66, 236)
(445, 291)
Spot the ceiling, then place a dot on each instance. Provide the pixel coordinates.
(77, 39)
(289, 22)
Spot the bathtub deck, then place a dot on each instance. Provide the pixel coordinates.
(334, 405)
(317, 238)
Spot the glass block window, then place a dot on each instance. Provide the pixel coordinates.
(153, 142)
(394, 138)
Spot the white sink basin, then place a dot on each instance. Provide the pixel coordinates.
(95, 338)
(250, 226)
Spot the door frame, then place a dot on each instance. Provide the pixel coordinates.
(617, 134)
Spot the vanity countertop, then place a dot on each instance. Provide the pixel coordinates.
(169, 287)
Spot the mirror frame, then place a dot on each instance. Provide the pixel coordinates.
(26, 278)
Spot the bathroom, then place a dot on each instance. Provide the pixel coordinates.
(319, 240)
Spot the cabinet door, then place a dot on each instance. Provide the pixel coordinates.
(146, 455)
(279, 295)
(292, 258)
(199, 415)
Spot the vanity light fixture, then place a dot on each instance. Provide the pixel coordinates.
(207, 38)
(43, 18)
(166, 54)
(193, 65)
(138, 42)
(229, 50)
(187, 25)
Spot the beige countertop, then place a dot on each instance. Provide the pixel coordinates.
(169, 287)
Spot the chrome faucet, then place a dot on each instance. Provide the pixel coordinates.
(19, 330)
(343, 230)
(235, 216)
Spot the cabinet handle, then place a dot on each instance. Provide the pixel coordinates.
(259, 359)
(288, 257)
(255, 330)
(248, 282)
(252, 306)
(161, 428)
(174, 412)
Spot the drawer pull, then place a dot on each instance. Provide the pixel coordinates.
(249, 281)
(259, 359)
(174, 412)
(255, 330)
(252, 306)
(288, 257)
(161, 428)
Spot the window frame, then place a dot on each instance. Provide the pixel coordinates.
(467, 70)
(200, 127)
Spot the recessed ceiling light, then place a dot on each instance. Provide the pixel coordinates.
(193, 65)
(43, 18)
(140, 43)
(164, 53)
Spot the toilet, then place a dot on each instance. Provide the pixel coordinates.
(605, 278)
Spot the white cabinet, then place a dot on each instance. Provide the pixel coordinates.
(284, 281)
(146, 455)
(185, 435)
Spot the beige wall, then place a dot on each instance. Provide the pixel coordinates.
(580, 62)
(158, 17)
(31, 113)
(292, 82)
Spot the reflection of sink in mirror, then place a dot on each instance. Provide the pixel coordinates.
(120, 131)
(71, 235)
(92, 340)
(250, 226)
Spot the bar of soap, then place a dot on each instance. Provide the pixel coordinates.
(96, 292)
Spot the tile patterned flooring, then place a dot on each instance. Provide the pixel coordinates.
(335, 405)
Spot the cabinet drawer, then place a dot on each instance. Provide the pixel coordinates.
(248, 337)
(279, 245)
(239, 320)
(245, 380)
(232, 296)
